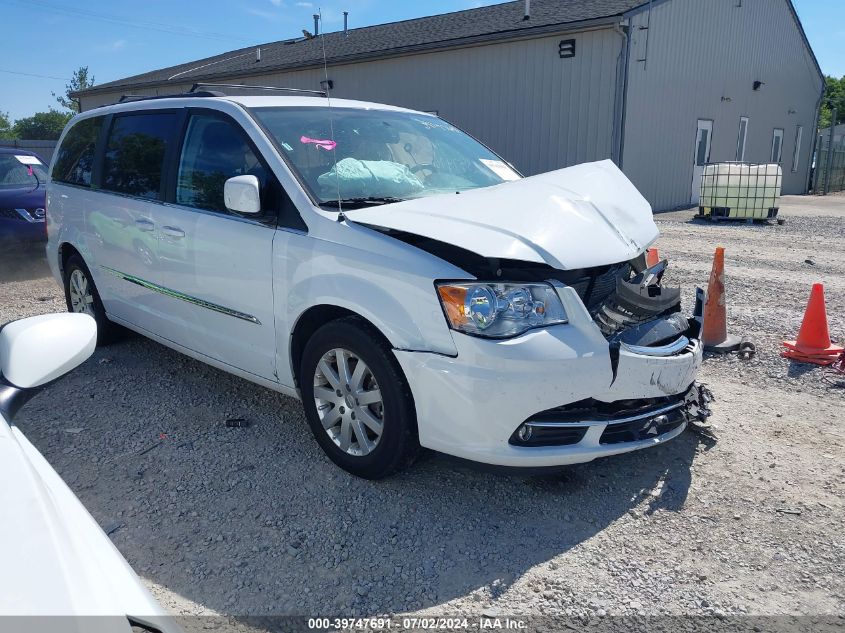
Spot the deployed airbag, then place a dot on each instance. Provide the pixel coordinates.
(362, 178)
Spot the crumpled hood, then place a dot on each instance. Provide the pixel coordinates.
(577, 217)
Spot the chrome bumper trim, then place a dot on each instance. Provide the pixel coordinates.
(609, 422)
(670, 349)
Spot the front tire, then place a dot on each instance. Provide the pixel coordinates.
(358, 404)
(81, 296)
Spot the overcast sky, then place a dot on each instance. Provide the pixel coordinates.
(118, 38)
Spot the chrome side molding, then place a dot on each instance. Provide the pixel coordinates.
(182, 296)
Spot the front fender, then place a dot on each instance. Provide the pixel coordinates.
(398, 321)
(381, 279)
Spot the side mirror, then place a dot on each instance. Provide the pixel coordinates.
(39, 349)
(241, 194)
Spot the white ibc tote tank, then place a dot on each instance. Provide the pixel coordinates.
(746, 190)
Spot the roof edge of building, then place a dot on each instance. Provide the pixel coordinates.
(806, 41)
(515, 34)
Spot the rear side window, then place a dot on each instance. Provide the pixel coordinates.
(75, 158)
(214, 151)
(135, 153)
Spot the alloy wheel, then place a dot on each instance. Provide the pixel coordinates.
(81, 296)
(349, 402)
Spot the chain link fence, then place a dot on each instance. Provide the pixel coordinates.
(828, 175)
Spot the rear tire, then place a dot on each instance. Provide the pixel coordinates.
(366, 420)
(81, 296)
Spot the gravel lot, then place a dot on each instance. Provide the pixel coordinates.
(255, 520)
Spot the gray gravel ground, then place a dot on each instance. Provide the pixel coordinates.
(256, 520)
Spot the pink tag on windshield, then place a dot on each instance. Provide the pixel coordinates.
(325, 144)
(29, 169)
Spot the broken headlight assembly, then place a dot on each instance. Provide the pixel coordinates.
(500, 310)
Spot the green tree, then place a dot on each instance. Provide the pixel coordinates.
(834, 97)
(79, 81)
(7, 131)
(41, 126)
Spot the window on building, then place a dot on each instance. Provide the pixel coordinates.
(135, 152)
(703, 147)
(796, 153)
(777, 146)
(740, 141)
(214, 151)
(75, 158)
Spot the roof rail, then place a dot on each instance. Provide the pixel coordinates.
(316, 93)
(204, 93)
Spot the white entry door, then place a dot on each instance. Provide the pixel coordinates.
(703, 134)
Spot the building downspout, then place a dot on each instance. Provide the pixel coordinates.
(619, 102)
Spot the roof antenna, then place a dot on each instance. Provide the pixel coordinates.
(340, 216)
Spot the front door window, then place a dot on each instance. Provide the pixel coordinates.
(214, 151)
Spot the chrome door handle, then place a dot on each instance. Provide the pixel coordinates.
(144, 224)
(172, 231)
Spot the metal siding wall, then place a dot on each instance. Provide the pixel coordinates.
(701, 51)
(537, 110)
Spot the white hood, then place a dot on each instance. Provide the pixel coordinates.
(578, 217)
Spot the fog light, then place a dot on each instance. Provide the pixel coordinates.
(525, 432)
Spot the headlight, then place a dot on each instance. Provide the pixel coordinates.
(500, 310)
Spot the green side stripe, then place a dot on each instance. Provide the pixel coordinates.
(181, 296)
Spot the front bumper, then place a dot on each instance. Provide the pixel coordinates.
(471, 405)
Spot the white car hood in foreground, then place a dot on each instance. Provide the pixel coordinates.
(578, 217)
(56, 561)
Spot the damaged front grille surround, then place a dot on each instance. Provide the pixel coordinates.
(625, 299)
(628, 314)
(623, 422)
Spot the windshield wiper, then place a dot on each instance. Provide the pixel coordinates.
(355, 203)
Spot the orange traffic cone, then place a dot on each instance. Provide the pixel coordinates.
(652, 257)
(813, 344)
(715, 329)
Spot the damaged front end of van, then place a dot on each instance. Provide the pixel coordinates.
(569, 347)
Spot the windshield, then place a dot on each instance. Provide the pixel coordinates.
(21, 170)
(381, 156)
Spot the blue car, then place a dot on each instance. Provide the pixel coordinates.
(23, 196)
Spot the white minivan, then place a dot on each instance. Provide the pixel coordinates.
(390, 271)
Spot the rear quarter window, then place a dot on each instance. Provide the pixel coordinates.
(135, 151)
(75, 157)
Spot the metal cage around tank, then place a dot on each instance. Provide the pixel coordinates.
(741, 191)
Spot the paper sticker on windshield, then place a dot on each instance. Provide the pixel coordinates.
(500, 169)
(27, 160)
